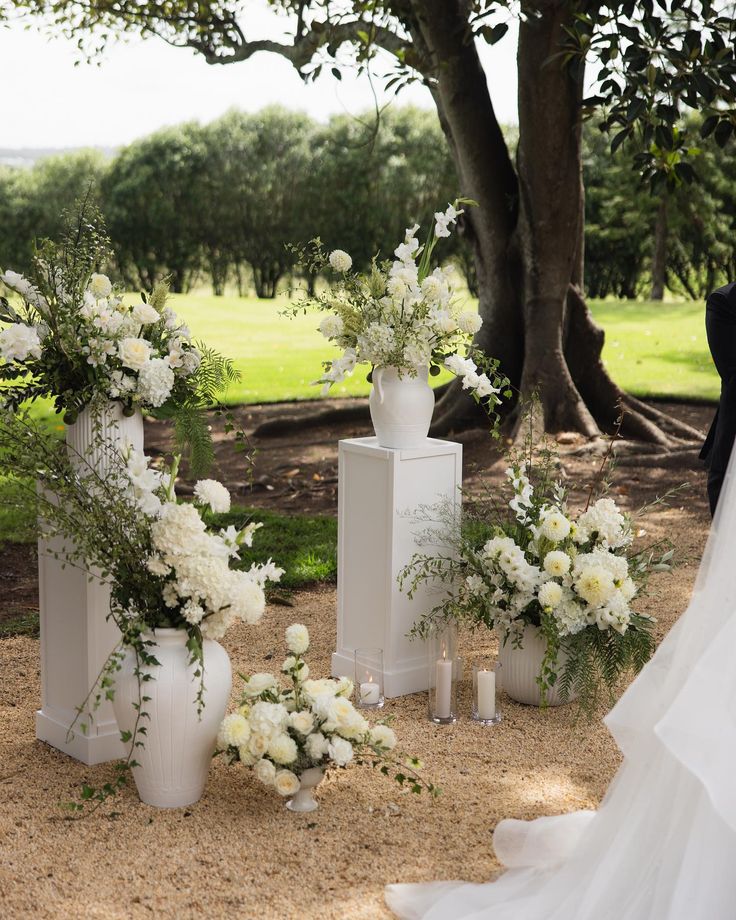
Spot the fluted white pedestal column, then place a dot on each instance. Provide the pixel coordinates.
(76, 637)
(380, 491)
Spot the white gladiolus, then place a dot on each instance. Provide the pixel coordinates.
(340, 260)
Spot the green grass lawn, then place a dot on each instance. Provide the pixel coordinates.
(651, 349)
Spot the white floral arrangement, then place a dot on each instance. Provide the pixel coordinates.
(572, 575)
(70, 336)
(282, 732)
(404, 314)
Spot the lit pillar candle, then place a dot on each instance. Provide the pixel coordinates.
(486, 688)
(370, 693)
(443, 692)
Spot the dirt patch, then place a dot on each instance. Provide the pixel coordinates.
(18, 587)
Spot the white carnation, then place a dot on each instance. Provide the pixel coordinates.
(213, 493)
(302, 722)
(134, 352)
(316, 746)
(155, 381)
(265, 772)
(340, 751)
(19, 342)
(286, 783)
(340, 260)
(297, 639)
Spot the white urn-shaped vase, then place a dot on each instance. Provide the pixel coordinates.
(401, 407)
(179, 742)
(521, 668)
(304, 799)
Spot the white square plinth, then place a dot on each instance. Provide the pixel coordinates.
(380, 491)
(76, 640)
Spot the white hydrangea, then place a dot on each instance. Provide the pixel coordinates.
(286, 783)
(377, 343)
(604, 519)
(178, 530)
(332, 326)
(156, 566)
(297, 638)
(134, 352)
(155, 381)
(340, 751)
(192, 612)
(19, 342)
(214, 494)
(234, 731)
(268, 719)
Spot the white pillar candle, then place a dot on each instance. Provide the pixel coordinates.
(370, 693)
(443, 691)
(486, 689)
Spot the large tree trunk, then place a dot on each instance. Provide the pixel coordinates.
(659, 258)
(528, 228)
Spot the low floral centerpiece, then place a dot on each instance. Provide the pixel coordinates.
(556, 585)
(404, 320)
(71, 336)
(175, 589)
(291, 735)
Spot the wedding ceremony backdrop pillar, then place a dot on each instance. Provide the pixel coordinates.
(76, 636)
(380, 492)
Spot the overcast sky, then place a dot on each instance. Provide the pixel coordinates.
(47, 101)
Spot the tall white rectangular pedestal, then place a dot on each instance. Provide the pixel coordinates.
(380, 491)
(76, 639)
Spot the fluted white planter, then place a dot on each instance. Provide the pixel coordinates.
(117, 430)
(179, 743)
(304, 800)
(401, 407)
(76, 636)
(520, 668)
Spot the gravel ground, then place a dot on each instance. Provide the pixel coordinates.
(240, 852)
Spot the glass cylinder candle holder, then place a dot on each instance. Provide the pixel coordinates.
(486, 685)
(443, 670)
(369, 678)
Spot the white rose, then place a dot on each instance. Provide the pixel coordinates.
(340, 751)
(265, 772)
(557, 563)
(99, 286)
(258, 745)
(213, 493)
(144, 314)
(286, 783)
(383, 737)
(134, 352)
(550, 594)
(297, 639)
(340, 260)
(234, 731)
(257, 683)
(302, 722)
(344, 687)
(469, 322)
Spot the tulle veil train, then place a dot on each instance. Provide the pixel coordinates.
(662, 845)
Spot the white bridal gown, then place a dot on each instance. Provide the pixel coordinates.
(662, 846)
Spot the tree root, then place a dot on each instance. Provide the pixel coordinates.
(288, 423)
